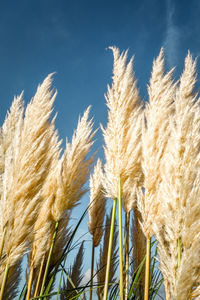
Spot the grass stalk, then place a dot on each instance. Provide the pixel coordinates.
(120, 239)
(92, 268)
(49, 258)
(166, 284)
(4, 281)
(39, 278)
(110, 249)
(147, 269)
(2, 241)
(127, 256)
(30, 279)
(179, 252)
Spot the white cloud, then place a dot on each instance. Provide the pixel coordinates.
(171, 41)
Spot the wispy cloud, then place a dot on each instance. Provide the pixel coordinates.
(171, 41)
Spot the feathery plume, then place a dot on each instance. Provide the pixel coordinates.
(97, 204)
(155, 135)
(27, 162)
(122, 151)
(139, 247)
(179, 232)
(8, 128)
(73, 169)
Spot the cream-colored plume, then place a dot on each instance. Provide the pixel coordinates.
(122, 147)
(73, 169)
(155, 135)
(27, 163)
(179, 191)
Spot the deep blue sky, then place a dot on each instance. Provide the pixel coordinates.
(70, 38)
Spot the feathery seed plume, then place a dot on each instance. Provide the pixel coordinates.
(155, 135)
(97, 204)
(27, 164)
(179, 192)
(73, 169)
(122, 151)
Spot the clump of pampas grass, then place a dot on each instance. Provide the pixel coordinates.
(27, 161)
(179, 229)
(122, 147)
(62, 190)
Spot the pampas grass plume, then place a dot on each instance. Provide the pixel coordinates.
(97, 204)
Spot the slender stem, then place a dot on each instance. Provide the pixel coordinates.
(92, 268)
(127, 256)
(39, 277)
(2, 241)
(120, 239)
(4, 281)
(30, 279)
(110, 249)
(58, 293)
(179, 252)
(166, 283)
(147, 269)
(49, 258)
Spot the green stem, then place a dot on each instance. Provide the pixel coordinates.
(120, 239)
(49, 258)
(92, 268)
(127, 256)
(179, 252)
(4, 281)
(147, 269)
(109, 256)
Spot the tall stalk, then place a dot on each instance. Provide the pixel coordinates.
(39, 278)
(49, 258)
(4, 281)
(179, 252)
(30, 279)
(147, 269)
(109, 256)
(127, 256)
(166, 283)
(2, 241)
(92, 268)
(120, 239)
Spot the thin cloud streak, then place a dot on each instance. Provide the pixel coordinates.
(171, 41)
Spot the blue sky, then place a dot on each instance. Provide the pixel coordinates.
(38, 37)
